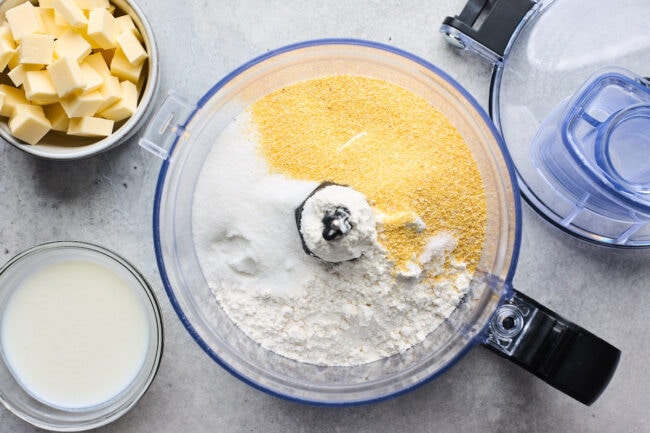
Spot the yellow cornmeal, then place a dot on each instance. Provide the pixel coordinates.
(387, 143)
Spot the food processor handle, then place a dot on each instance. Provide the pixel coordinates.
(557, 351)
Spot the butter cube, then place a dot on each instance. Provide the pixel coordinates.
(60, 20)
(12, 97)
(91, 77)
(13, 62)
(7, 51)
(39, 88)
(24, 19)
(36, 49)
(18, 74)
(5, 34)
(131, 48)
(59, 120)
(67, 76)
(111, 91)
(126, 106)
(127, 25)
(82, 105)
(72, 44)
(71, 13)
(88, 126)
(93, 4)
(141, 82)
(28, 123)
(51, 27)
(96, 60)
(123, 69)
(103, 28)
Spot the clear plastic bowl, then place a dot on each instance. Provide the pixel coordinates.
(60, 146)
(186, 285)
(22, 403)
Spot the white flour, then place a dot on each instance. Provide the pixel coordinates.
(296, 305)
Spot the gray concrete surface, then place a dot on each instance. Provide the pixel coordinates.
(108, 199)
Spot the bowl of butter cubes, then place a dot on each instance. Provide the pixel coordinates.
(78, 77)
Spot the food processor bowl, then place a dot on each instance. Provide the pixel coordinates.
(183, 133)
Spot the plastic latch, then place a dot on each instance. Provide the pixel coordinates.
(486, 26)
(167, 125)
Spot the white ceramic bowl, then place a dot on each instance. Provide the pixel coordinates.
(60, 146)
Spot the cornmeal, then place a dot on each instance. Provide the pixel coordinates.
(387, 143)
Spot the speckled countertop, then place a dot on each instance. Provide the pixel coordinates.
(108, 199)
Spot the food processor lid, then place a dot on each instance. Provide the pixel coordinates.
(569, 97)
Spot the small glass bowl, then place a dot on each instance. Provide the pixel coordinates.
(18, 400)
(60, 146)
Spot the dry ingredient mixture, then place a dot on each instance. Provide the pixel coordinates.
(415, 171)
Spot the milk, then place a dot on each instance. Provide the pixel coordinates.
(75, 334)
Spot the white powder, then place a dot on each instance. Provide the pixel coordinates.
(294, 304)
(361, 236)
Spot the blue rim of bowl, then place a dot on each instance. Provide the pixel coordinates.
(477, 339)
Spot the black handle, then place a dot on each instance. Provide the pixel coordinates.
(557, 351)
(488, 23)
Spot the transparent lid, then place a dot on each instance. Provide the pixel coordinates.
(558, 49)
